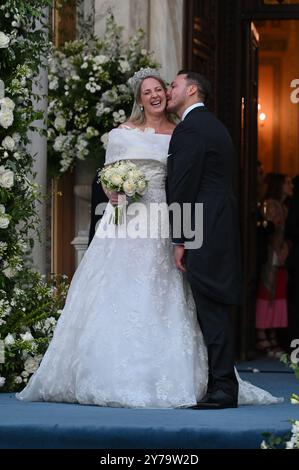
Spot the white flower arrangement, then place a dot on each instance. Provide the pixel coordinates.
(26, 299)
(291, 440)
(4, 40)
(89, 94)
(125, 178)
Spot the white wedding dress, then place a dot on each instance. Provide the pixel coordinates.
(128, 335)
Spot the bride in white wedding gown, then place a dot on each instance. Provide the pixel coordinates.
(128, 335)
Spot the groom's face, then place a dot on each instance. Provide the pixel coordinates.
(177, 94)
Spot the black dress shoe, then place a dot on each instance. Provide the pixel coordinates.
(215, 401)
(205, 398)
(213, 406)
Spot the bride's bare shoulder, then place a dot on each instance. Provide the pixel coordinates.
(126, 125)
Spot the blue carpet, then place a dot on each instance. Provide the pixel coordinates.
(26, 425)
(264, 365)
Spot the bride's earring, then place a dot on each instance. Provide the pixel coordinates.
(141, 108)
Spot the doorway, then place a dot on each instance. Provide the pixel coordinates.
(278, 113)
(278, 143)
(247, 67)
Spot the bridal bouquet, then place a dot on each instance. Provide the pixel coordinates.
(125, 178)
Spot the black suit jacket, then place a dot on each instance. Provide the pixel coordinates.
(97, 197)
(199, 170)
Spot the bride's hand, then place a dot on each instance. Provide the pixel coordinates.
(179, 252)
(113, 197)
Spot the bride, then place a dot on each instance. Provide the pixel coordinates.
(128, 335)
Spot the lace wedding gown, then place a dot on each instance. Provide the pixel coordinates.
(128, 335)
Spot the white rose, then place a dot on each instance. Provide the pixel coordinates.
(8, 143)
(134, 174)
(116, 179)
(9, 272)
(53, 84)
(91, 132)
(4, 40)
(31, 364)
(6, 178)
(104, 139)
(2, 381)
(7, 103)
(122, 170)
(16, 137)
(4, 221)
(2, 209)
(59, 143)
(101, 59)
(9, 339)
(60, 123)
(108, 173)
(27, 336)
(6, 118)
(141, 187)
(18, 379)
(124, 66)
(129, 187)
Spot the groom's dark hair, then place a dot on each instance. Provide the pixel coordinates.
(204, 88)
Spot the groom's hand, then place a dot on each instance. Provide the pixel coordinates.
(179, 252)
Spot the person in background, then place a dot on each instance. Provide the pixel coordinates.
(271, 304)
(263, 227)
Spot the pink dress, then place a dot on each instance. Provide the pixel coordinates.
(271, 304)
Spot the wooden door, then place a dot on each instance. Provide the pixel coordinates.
(200, 40)
(248, 182)
(62, 188)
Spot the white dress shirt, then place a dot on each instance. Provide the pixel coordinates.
(196, 105)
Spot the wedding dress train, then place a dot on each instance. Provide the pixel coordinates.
(128, 335)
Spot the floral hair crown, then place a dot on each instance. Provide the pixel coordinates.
(141, 74)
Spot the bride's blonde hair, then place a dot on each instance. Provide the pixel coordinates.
(137, 114)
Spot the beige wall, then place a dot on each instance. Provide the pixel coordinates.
(162, 21)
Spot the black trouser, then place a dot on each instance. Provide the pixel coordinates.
(214, 321)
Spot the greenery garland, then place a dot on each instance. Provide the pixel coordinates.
(29, 305)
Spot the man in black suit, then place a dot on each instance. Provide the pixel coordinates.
(200, 168)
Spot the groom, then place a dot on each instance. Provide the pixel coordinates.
(200, 167)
